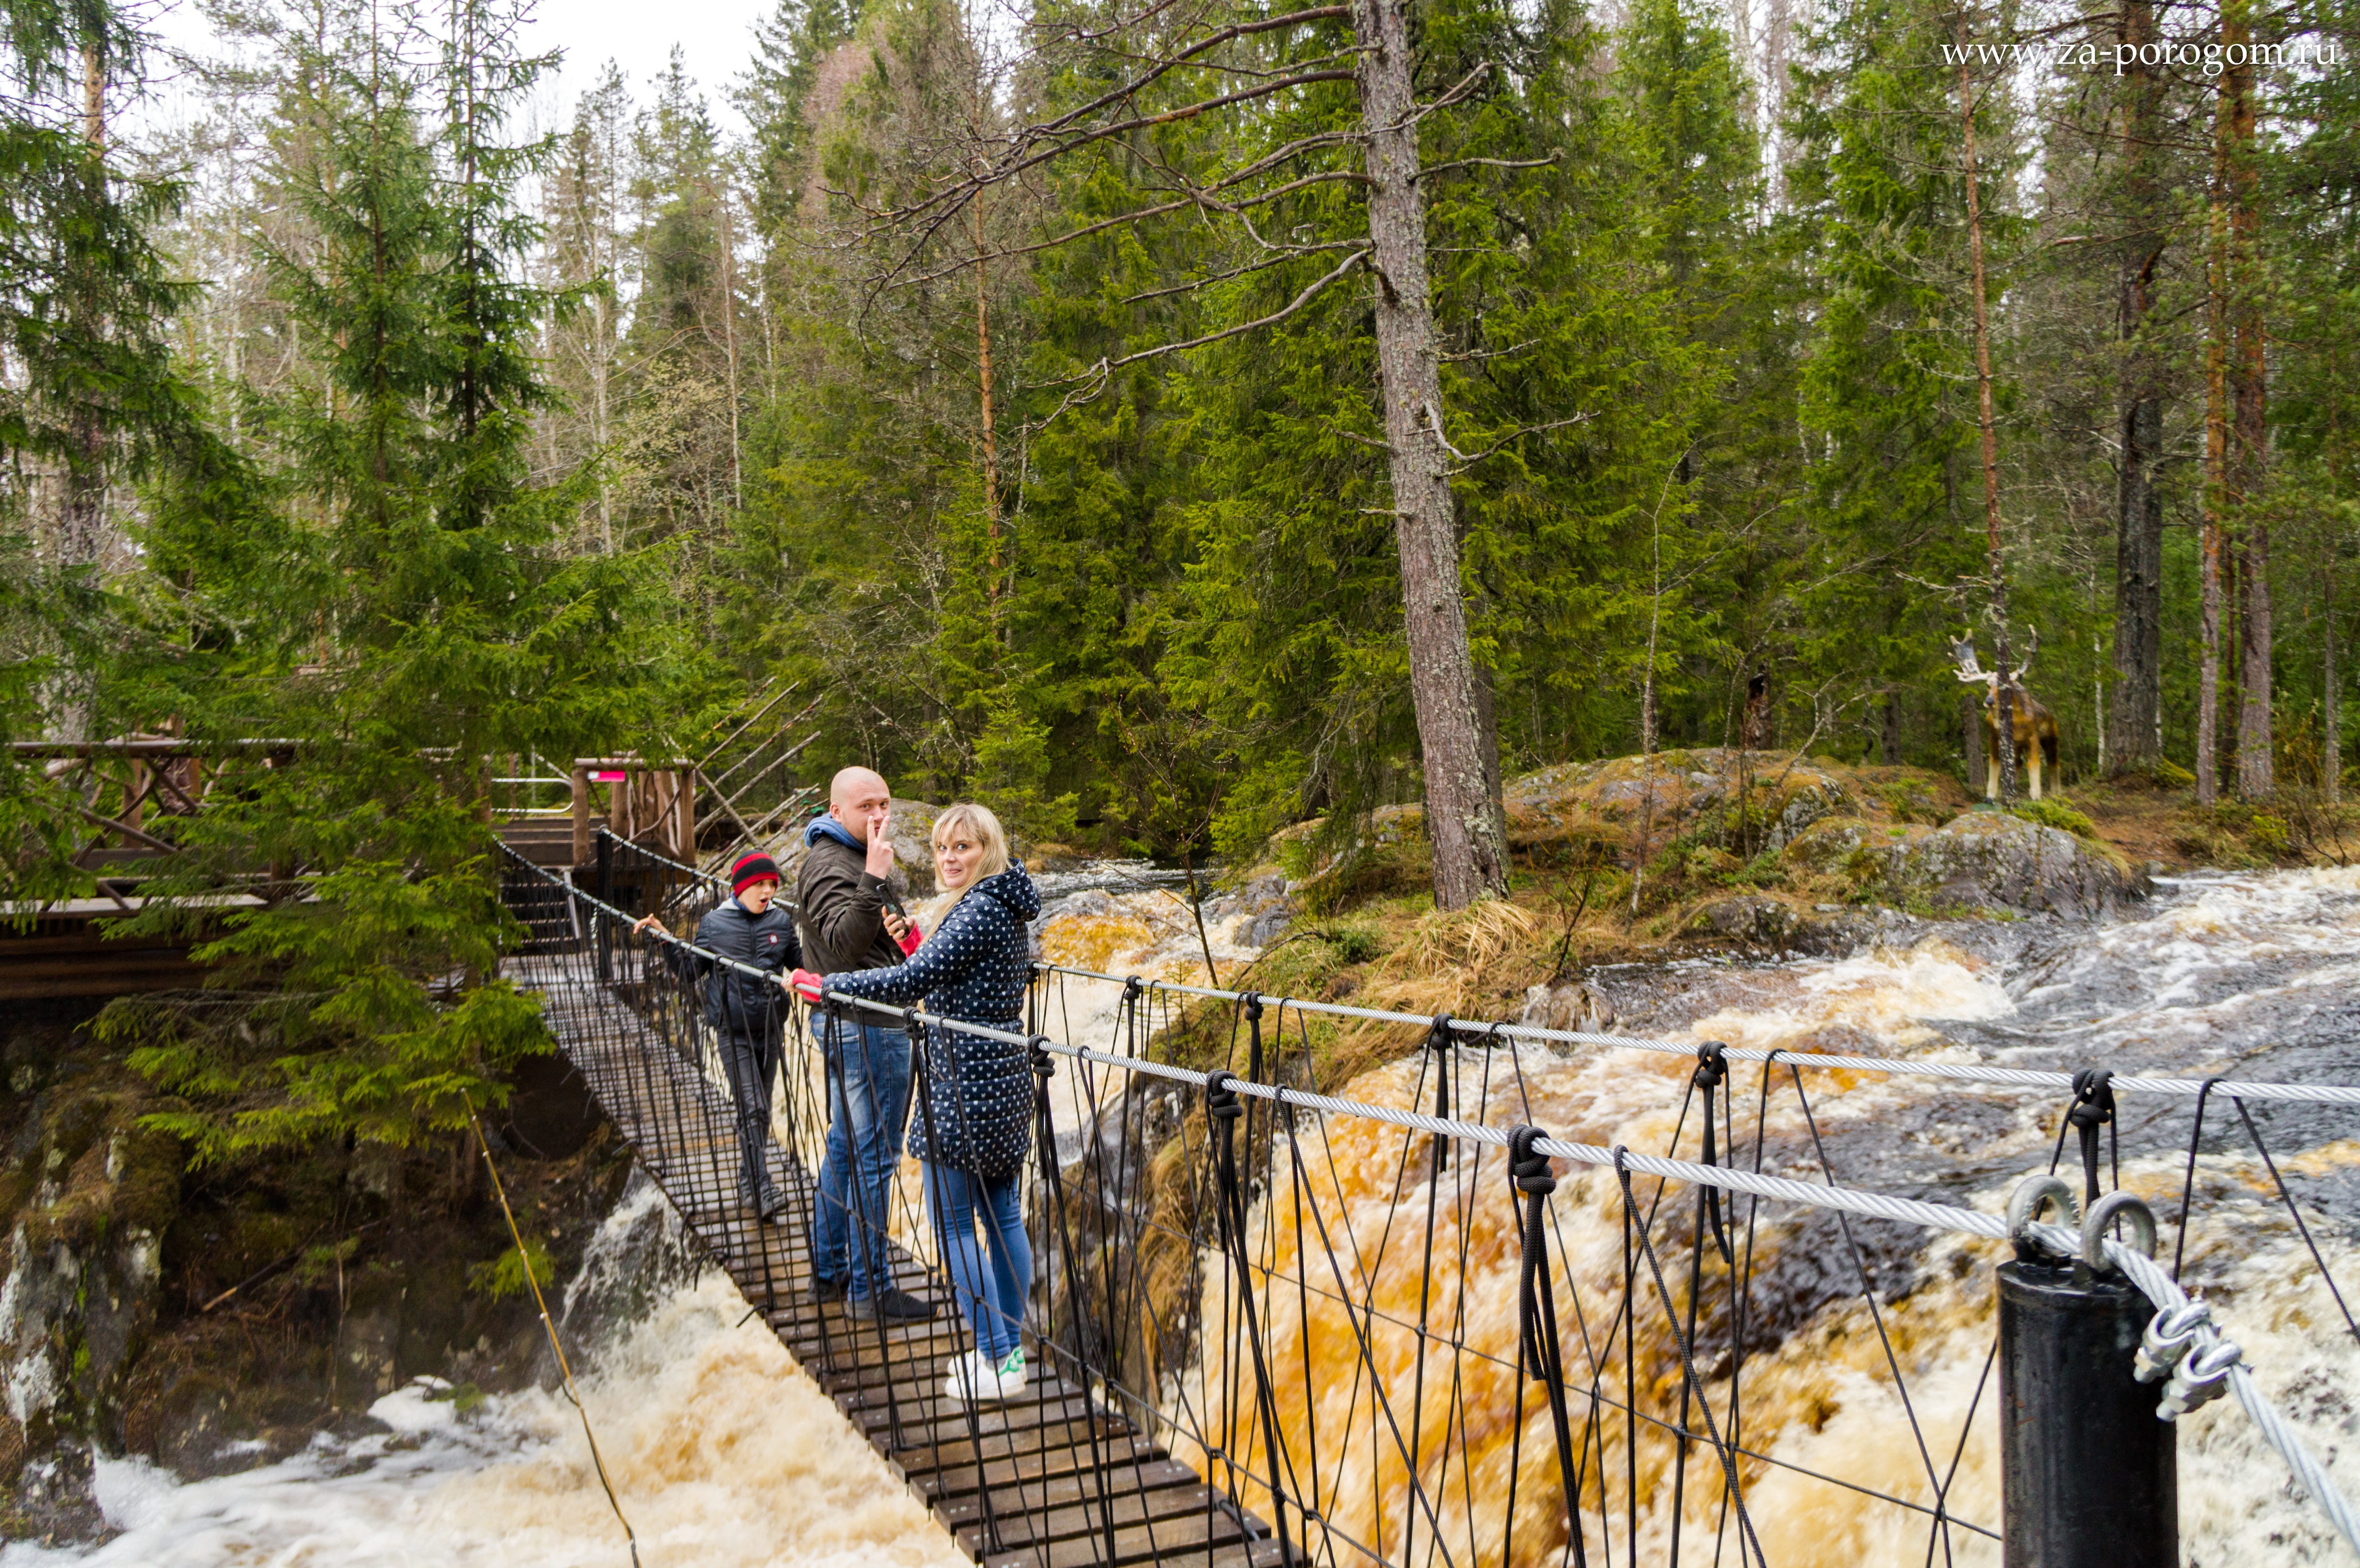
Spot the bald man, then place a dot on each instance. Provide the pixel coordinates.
(841, 897)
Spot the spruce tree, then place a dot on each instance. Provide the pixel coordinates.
(382, 588)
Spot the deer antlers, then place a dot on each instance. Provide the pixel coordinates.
(1969, 668)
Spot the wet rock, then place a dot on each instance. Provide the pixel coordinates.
(54, 1499)
(1575, 1005)
(1263, 902)
(1980, 860)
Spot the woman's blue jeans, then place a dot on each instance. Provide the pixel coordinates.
(990, 1296)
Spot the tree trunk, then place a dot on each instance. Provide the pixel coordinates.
(2138, 505)
(1469, 855)
(1986, 421)
(1970, 740)
(81, 532)
(2216, 438)
(729, 341)
(2330, 761)
(983, 382)
(2249, 433)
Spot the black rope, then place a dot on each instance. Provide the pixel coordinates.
(1222, 1109)
(2287, 1198)
(1711, 1072)
(2092, 1107)
(1439, 1043)
(1539, 1356)
(1868, 1295)
(1687, 1363)
(2188, 1181)
(1053, 1176)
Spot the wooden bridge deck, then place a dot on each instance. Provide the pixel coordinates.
(1049, 1480)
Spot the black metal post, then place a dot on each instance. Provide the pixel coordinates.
(2089, 1477)
(606, 896)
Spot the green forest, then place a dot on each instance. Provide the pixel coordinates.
(1170, 420)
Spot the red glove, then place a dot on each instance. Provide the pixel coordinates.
(910, 939)
(805, 982)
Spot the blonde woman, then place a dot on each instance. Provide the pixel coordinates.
(974, 1122)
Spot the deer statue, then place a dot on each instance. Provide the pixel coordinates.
(2036, 728)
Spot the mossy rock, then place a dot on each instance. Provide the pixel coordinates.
(1690, 794)
(1997, 860)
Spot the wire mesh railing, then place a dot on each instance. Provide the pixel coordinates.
(1407, 1327)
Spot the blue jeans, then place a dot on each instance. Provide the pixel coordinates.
(867, 1105)
(991, 1299)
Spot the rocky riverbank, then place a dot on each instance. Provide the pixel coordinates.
(216, 1319)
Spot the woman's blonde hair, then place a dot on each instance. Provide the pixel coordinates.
(979, 823)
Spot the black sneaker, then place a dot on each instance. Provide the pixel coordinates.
(824, 1290)
(767, 1204)
(895, 1306)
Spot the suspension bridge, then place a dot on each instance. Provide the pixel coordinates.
(1274, 1325)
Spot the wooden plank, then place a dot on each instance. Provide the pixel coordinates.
(1163, 1538)
(1021, 1474)
(1088, 1516)
(1146, 1480)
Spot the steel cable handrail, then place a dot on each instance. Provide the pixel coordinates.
(1957, 1072)
(2151, 1280)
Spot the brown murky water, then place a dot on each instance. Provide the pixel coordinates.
(2250, 973)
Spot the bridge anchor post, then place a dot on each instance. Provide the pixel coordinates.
(2089, 1474)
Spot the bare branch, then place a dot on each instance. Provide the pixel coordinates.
(1432, 170)
(1116, 95)
(1104, 367)
(1468, 461)
(1193, 199)
(960, 194)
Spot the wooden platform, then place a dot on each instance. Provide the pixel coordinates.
(1050, 1479)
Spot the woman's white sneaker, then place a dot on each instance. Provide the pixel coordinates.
(1011, 1374)
(972, 1377)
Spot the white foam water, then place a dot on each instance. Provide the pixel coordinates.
(722, 1453)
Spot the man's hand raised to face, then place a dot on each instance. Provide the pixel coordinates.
(880, 845)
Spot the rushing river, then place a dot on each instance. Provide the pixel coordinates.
(723, 1454)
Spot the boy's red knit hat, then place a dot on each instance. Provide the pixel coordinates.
(751, 867)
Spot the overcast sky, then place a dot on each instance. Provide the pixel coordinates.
(716, 38)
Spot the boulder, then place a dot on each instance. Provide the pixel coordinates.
(910, 827)
(1574, 1004)
(1749, 920)
(1262, 902)
(1992, 858)
(1978, 860)
(1841, 843)
(1680, 793)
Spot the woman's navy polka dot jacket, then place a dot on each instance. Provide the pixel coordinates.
(976, 1113)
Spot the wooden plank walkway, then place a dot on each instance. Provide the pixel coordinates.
(1049, 1480)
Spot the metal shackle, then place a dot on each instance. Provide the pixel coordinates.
(2033, 1194)
(2114, 1206)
